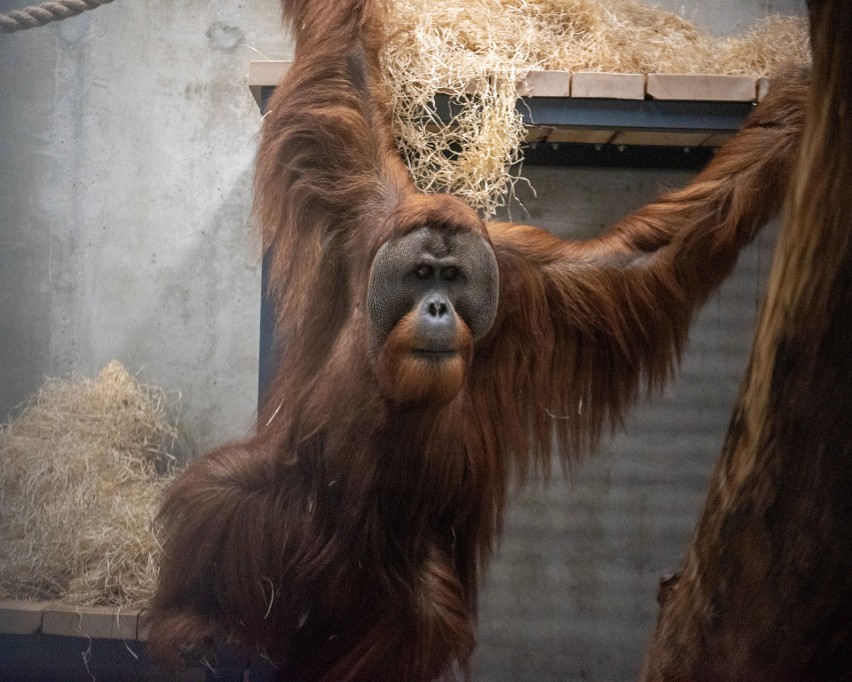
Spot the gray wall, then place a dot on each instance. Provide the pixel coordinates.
(126, 144)
(126, 152)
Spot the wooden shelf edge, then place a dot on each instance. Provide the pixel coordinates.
(586, 84)
(55, 618)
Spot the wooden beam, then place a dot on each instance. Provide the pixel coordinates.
(20, 617)
(580, 135)
(658, 138)
(762, 88)
(588, 84)
(717, 140)
(704, 87)
(266, 73)
(545, 84)
(97, 622)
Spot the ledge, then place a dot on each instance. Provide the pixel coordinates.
(56, 618)
(647, 110)
(58, 641)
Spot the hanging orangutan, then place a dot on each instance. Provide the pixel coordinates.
(428, 357)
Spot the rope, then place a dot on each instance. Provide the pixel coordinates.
(39, 15)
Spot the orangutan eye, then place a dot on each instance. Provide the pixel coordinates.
(424, 271)
(450, 273)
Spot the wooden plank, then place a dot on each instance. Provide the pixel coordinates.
(19, 617)
(659, 138)
(536, 134)
(580, 135)
(762, 88)
(266, 73)
(472, 87)
(702, 87)
(586, 84)
(545, 84)
(717, 139)
(97, 622)
(583, 84)
(143, 629)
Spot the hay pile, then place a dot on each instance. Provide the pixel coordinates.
(79, 485)
(478, 49)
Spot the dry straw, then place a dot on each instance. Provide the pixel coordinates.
(81, 472)
(477, 50)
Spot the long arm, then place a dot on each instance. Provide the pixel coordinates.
(236, 525)
(607, 314)
(328, 174)
(327, 165)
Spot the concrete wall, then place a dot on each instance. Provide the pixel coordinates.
(127, 137)
(126, 153)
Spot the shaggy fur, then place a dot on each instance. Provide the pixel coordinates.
(347, 537)
(765, 592)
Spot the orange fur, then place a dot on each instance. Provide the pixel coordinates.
(369, 518)
(613, 311)
(403, 375)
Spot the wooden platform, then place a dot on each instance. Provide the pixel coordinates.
(53, 618)
(609, 108)
(56, 641)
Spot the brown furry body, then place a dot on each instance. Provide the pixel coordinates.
(347, 537)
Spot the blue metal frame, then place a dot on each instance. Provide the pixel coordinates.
(646, 114)
(615, 114)
(270, 348)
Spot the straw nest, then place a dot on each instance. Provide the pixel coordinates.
(81, 472)
(477, 50)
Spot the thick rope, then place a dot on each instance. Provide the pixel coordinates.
(39, 15)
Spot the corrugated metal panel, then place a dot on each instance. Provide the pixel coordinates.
(571, 594)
